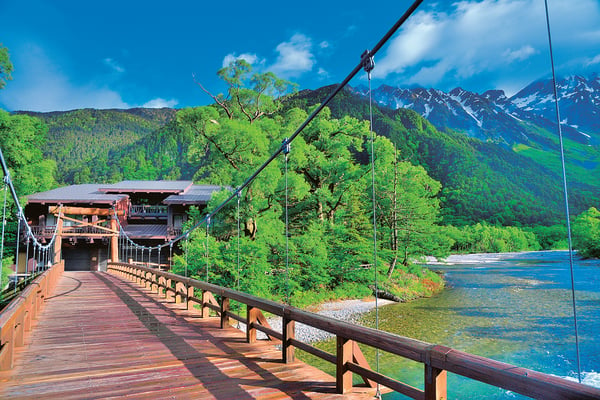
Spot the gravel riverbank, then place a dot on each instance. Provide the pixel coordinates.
(344, 310)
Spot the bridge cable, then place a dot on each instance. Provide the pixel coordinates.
(237, 284)
(17, 252)
(312, 116)
(308, 120)
(207, 250)
(27, 256)
(286, 152)
(566, 193)
(187, 249)
(3, 225)
(368, 64)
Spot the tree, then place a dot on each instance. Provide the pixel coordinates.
(6, 67)
(586, 233)
(249, 95)
(407, 206)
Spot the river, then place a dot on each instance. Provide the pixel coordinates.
(515, 308)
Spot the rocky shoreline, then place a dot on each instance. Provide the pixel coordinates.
(343, 310)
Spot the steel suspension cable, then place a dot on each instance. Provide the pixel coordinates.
(312, 116)
(237, 284)
(27, 256)
(207, 252)
(565, 192)
(368, 65)
(286, 152)
(17, 252)
(3, 225)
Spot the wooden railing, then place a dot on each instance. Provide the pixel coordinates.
(437, 360)
(16, 318)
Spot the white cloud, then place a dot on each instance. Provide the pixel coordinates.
(161, 103)
(250, 58)
(519, 55)
(323, 74)
(594, 60)
(469, 38)
(324, 44)
(40, 85)
(113, 65)
(295, 57)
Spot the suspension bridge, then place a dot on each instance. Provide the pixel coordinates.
(134, 329)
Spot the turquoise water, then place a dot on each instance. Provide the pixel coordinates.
(514, 308)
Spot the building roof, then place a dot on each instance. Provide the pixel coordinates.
(181, 192)
(148, 187)
(197, 194)
(88, 193)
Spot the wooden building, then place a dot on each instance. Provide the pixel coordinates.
(150, 212)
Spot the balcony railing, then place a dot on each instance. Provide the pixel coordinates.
(142, 211)
(41, 231)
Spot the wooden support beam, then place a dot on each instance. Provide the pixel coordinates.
(81, 223)
(114, 241)
(84, 211)
(359, 358)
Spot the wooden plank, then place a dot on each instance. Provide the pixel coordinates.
(100, 335)
(84, 211)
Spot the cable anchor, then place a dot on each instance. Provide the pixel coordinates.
(285, 146)
(367, 61)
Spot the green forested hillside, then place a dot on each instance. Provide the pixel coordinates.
(480, 181)
(79, 138)
(436, 192)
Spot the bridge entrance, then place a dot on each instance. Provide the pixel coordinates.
(85, 257)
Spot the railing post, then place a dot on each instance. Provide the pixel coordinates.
(189, 294)
(154, 287)
(288, 353)
(168, 290)
(179, 292)
(252, 317)
(435, 378)
(205, 301)
(343, 376)
(224, 312)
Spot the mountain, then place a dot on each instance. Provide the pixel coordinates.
(495, 156)
(579, 100)
(492, 116)
(77, 137)
(510, 179)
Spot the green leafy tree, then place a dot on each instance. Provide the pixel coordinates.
(407, 207)
(586, 233)
(6, 67)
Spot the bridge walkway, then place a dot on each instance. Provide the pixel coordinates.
(101, 337)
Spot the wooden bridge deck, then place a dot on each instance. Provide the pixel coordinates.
(101, 337)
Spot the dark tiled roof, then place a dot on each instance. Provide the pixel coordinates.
(147, 187)
(88, 193)
(182, 192)
(197, 194)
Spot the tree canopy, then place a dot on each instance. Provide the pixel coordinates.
(328, 197)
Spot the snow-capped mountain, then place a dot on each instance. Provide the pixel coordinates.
(493, 116)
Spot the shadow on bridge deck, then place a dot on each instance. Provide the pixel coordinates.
(101, 337)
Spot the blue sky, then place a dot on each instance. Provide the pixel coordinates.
(121, 54)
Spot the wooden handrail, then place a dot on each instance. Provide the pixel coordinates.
(16, 317)
(437, 360)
